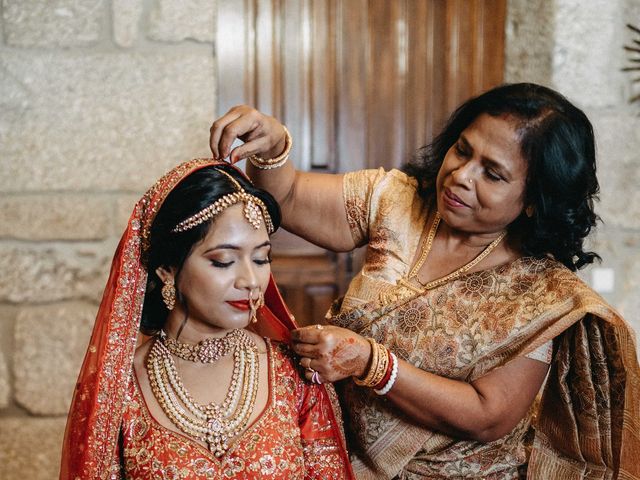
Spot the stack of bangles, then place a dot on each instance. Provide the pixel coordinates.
(268, 164)
(383, 369)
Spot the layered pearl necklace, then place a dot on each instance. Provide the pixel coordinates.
(215, 424)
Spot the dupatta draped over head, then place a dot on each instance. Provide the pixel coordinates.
(93, 426)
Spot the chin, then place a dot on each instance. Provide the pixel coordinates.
(241, 321)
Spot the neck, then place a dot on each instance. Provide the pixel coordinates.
(194, 331)
(457, 238)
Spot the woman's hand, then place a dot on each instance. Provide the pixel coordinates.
(334, 352)
(262, 135)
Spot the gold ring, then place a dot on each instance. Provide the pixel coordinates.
(318, 326)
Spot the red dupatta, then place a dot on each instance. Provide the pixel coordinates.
(89, 449)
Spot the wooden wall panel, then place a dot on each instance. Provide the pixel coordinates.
(360, 84)
(352, 62)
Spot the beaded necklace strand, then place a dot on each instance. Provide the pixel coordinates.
(215, 424)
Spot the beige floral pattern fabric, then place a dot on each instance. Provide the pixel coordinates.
(466, 328)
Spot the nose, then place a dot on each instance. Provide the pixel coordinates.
(464, 174)
(247, 278)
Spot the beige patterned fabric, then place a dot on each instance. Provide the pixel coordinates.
(588, 418)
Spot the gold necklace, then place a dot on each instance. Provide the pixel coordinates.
(428, 243)
(209, 350)
(213, 424)
(426, 248)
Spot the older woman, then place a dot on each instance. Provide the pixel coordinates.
(467, 295)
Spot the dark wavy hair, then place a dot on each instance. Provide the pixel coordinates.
(557, 142)
(168, 249)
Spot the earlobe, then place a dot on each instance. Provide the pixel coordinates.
(165, 274)
(529, 211)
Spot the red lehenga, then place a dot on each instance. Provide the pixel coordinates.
(110, 433)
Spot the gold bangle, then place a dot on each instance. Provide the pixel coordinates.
(275, 162)
(373, 364)
(377, 368)
(267, 167)
(383, 365)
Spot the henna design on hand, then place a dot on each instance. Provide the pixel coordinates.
(345, 358)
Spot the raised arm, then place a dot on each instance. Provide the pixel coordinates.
(312, 203)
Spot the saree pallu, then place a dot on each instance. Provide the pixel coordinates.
(587, 422)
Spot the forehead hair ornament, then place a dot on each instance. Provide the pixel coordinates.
(254, 209)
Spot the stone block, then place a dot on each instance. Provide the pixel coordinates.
(56, 217)
(104, 121)
(124, 209)
(178, 20)
(54, 272)
(126, 18)
(50, 342)
(7, 318)
(529, 41)
(63, 23)
(629, 302)
(5, 382)
(587, 53)
(618, 140)
(30, 447)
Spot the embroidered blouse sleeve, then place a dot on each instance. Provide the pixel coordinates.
(358, 188)
(323, 456)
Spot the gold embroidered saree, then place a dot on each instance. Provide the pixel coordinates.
(587, 423)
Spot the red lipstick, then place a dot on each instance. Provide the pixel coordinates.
(240, 304)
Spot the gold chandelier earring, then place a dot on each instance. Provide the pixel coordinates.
(255, 304)
(169, 293)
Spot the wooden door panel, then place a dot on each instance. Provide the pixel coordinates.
(360, 84)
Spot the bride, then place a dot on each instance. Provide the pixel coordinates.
(214, 391)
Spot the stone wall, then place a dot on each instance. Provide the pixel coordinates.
(98, 98)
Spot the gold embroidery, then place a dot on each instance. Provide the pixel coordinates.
(271, 448)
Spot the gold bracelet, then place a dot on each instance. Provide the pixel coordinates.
(378, 367)
(383, 365)
(275, 162)
(373, 365)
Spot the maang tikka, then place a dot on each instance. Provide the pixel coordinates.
(254, 209)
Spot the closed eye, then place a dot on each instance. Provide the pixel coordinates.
(218, 264)
(461, 152)
(491, 175)
(263, 261)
